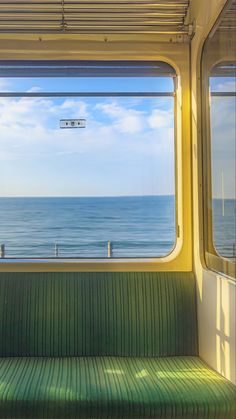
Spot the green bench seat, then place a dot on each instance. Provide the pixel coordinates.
(104, 345)
(116, 387)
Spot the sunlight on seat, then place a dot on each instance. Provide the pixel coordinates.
(142, 373)
(6, 390)
(114, 372)
(57, 393)
(2, 387)
(189, 374)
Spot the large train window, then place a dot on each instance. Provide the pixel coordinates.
(87, 159)
(219, 143)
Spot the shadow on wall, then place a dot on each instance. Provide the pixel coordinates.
(217, 324)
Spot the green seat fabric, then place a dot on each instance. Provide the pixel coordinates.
(113, 387)
(98, 314)
(104, 345)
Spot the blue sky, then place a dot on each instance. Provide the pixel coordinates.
(127, 147)
(86, 84)
(223, 138)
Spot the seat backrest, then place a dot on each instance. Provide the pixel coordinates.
(97, 314)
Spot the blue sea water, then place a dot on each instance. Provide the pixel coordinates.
(137, 226)
(81, 227)
(224, 227)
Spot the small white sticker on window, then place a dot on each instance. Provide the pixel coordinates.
(72, 123)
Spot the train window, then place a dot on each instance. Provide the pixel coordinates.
(219, 144)
(87, 160)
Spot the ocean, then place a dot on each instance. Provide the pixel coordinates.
(79, 227)
(224, 227)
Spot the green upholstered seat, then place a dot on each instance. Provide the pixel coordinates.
(101, 345)
(119, 387)
(98, 314)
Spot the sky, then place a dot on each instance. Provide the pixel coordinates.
(127, 147)
(223, 139)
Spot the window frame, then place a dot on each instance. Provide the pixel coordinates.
(213, 260)
(180, 259)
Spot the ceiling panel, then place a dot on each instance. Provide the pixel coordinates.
(229, 20)
(106, 16)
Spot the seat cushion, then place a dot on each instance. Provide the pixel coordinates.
(113, 387)
(64, 314)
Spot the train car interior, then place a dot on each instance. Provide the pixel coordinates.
(117, 209)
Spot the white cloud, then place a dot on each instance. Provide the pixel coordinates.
(227, 86)
(75, 108)
(4, 85)
(128, 121)
(160, 119)
(116, 136)
(34, 89)
(29, 127)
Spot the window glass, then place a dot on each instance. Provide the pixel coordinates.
(68, 192)
(87, 84)
(222, 106)
(219, 131)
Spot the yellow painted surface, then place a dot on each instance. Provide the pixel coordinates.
(78, 47)
(216, 294)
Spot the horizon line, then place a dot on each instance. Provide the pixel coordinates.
(84, 196)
